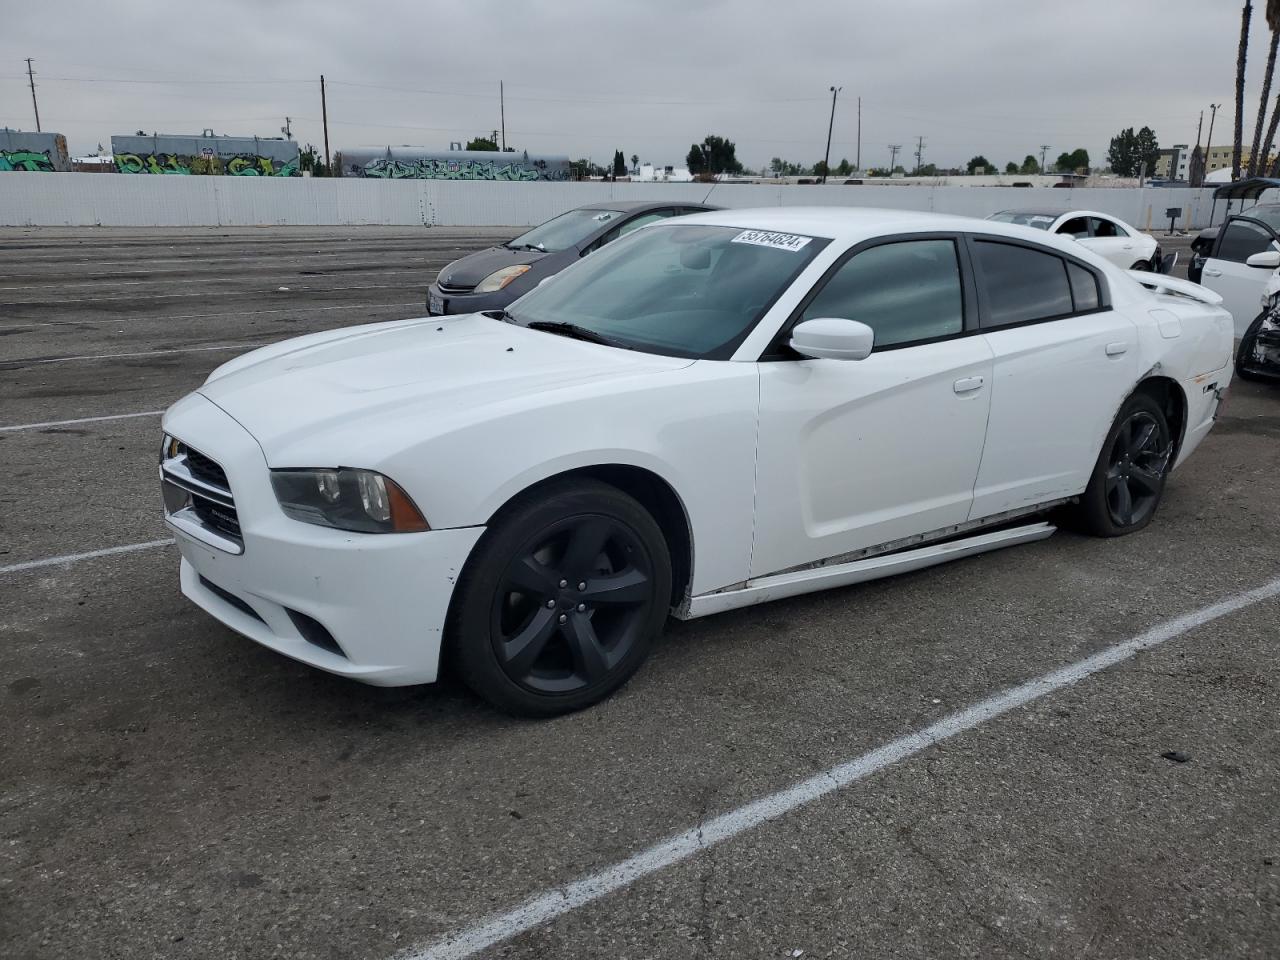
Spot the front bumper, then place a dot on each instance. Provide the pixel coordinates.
(367, 606)
(440, 303)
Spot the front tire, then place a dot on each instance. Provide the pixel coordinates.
(561, 600)
(1129, 477)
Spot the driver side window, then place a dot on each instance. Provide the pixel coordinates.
(906, 291)
(634, 224)
(1241, 240)
(1077, 227)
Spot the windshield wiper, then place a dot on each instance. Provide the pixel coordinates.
(574, 331)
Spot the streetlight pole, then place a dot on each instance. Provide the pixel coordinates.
(1208, 147)
(826, 160)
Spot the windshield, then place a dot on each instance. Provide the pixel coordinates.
(680, 290)
(565, 231)
(1025, 218)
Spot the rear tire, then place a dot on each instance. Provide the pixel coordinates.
(561, 600)
(1129, 477)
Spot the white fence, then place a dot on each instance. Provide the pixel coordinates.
(79, 200)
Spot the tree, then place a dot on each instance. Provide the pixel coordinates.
(309, 159)
(635, 161)
(1029, 165)
(1011, 167)
(820, 169)
(844, 168)
(1130, 151)
(489, 143)
(619, 164)
(978, 162)
(1076, 160)
(1245, 15)
(714, 155)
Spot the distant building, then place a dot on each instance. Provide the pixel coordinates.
(1173, 163)
(206, 155)
(1219, 158)
(27, 152)
(420, 163)
(649, 173)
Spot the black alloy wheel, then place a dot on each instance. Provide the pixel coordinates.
(1129, 476)
(561, 599)
(571, 605)
(1139, 461)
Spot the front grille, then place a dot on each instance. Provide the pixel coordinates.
(203, 468)
(452, 290)
(200, 493)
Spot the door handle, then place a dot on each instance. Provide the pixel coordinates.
(1117, 348)
(1128, 246)
(968, 384)
(1211, 272)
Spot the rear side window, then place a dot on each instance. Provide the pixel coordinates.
(1084, 288)
(1242, 240)
(1022, 284)
(1106, 228)
(907, 292)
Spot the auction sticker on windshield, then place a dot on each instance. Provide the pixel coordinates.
(779, 241)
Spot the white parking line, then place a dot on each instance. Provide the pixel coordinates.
(300, 288)
(76, 557)
(68, 423)
(21, 362)
(544, 907)
(267, 280)
(232, 314)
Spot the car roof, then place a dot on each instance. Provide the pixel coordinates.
(634, 206)
(850, 225)
(840, 222)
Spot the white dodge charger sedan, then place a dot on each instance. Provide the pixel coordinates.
(712, 412)
(1108, 236)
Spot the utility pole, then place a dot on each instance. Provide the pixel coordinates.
(1208, 147)
(893, 156)
(919, 154)
(1197, 159)
(502, 113)
(857, 163)
(826, 160)
(287, 129)
(31, 78)
(324, 116)
(1044, 149)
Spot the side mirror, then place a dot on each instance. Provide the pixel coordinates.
(1269, 259)
(833, 338)
(549, 279)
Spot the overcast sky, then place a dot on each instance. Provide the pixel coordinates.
(996, 77)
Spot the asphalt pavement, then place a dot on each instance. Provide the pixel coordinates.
(170, 789)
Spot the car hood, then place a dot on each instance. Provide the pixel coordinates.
(366, 392)
(470, 270)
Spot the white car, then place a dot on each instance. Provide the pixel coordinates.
(712, 412)
(1110, 237)
(1241, 264)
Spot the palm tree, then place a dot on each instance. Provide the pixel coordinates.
(1258, 157)
(1245, 15)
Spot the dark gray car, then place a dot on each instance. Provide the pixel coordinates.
(490, 279)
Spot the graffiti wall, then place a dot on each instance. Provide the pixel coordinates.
(33, 152)
(414, 163)
(206, 156)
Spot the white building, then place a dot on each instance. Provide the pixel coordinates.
(648, 173)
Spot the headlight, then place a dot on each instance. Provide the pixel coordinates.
(500, 278)
(347, 499)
